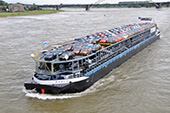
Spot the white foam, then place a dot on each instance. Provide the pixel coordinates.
(94, 88)
(34, 94)
(51, 97)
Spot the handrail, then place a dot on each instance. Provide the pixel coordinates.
(87, 57)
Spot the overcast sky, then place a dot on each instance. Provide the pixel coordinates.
(70, 1)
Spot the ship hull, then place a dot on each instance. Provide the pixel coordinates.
(92, 78)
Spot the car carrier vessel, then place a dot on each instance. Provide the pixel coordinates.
(74, 66)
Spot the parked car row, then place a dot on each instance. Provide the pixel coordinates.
(67, 55)
(60, 53)
(118, 34)
(92, 43)
(83, 48)
(69, 51)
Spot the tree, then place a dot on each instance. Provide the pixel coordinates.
(4, 8)
(3, 3)
(33, 7)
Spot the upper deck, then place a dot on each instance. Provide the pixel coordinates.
(83, 47)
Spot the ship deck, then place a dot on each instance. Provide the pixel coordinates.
(104, 46)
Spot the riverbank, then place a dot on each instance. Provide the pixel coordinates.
(36, 12)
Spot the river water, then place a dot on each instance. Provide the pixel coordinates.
(140, 85)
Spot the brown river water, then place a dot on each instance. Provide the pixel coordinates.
(140, 85)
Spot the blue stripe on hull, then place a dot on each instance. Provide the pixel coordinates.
(118, 57)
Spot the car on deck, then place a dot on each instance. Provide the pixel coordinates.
(103, 41)
(50, 55)
(69, 47)
(81, 40)
(61, 50)
(85, 51)
(77, 50)
(67, 55)
(95, 48)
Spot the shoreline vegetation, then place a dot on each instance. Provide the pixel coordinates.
(26, 13)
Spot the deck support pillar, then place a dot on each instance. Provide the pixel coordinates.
(52, 71)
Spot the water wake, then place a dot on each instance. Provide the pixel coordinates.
(94, 88)
(34, 94)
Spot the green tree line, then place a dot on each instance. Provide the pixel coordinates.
(2, 3)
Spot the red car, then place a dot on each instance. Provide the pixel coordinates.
(69, 47)
(103, 40)
(77, 50)
(85, 51)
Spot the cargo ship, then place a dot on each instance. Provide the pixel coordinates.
(76, 65)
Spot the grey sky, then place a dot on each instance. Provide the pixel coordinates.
(70, 1)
